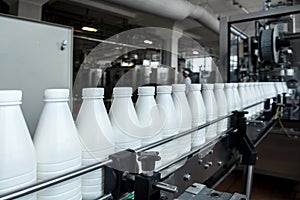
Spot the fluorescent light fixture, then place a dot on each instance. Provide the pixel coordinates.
(195, 52)
(245, 10)
(148, 42)
(91, 29)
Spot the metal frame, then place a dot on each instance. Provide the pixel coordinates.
(225, 30)
(194, 158)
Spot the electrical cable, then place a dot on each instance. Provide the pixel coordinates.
(276, 116)
(130, 196)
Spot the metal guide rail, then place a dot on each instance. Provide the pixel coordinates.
(122, 173)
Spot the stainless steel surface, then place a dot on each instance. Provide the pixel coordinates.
(166, 187)
(44, 184)
(249, 181)
(201, 152)
(200, 191)
(187, 177)
(163, 141)
(105, 197)
(198, 171)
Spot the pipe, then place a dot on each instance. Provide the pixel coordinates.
(174, 9)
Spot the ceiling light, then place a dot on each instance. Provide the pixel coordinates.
(91, 29)
(195, 52)
(245, 10)
(148, 42)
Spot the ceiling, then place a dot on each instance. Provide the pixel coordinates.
(111, 19)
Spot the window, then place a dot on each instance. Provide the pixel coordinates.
(199, 64)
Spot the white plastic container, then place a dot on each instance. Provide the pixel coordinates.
(252, 95)
(124, 120)
(164, 100)
(258, 97)
(198, 111)
(147, 111)
(249, 97)
(262, 96)
(211, 110)
(222, 106)
(57, 146)
(184, 117)
(238, 103)
(229, 97)
(96, 135)
(17, 154)
(243, 95)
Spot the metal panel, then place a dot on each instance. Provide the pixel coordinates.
(265, 14)
(32, 60)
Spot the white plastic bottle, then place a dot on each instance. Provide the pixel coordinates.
(184, 117)
(211, 110)
(164, 100)
(198, 111)
(96, 135)
(252, 95)
(222, 106)
(147, 111)
(17, 155)
(243, 95)
(229, 97)
(238, 103)
(57, 146)
(124, 120)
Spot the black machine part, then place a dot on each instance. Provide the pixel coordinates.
(271, 41)
(268, 50)
(199, 191)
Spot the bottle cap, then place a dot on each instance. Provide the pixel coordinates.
(219, 85)
(195, 87)
(164, 89)
(178, 87)
(241, 85)
(92, 93)
(228, 85)
(122, 91)
(146, 90)
(56, 94)
(208, 86)
(10, 96)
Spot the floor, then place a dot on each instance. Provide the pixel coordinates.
(264, 187)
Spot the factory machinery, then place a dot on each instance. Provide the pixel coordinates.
(193, 174)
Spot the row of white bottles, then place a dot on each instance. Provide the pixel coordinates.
(55, 150)
(59, 148)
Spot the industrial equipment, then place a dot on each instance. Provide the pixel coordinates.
(209, 163)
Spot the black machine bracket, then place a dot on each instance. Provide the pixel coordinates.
(241, 140)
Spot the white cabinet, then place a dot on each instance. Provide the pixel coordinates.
(31, 59)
